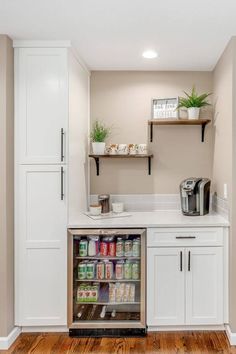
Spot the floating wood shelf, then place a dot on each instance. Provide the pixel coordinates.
(164, 121)
(137, 156)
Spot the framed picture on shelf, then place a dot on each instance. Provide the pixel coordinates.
(165, 108)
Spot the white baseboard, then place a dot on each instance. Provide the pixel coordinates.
(185, 328)
(6, 342)
(32, 329)
(231, 336)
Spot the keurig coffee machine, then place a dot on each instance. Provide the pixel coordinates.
(195, 196)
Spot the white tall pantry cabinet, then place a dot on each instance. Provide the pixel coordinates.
(51, 104)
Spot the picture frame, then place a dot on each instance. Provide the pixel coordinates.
(165, 108)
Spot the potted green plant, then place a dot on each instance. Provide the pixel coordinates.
(193, 102)
(98, 136)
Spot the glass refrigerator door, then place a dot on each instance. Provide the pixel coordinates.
(108, 278)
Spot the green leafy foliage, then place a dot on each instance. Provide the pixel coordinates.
(99, 132)
(193, 100)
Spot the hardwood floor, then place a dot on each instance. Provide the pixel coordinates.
(161, 342)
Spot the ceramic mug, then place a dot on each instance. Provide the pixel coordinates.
(122, 149)
(133, 149)
(113, 148)
(95, 209)
(117, 207)
(142, 149)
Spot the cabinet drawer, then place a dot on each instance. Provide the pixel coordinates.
(164, 237)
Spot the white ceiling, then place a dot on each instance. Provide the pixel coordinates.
(112, 34)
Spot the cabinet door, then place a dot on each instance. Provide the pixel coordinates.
(165, 286)
(204, 285)
(40, 246)
(41, 104)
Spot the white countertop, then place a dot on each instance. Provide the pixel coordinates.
(152, 219)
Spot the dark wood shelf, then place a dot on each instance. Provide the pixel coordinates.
(164, 121)
(127, 156)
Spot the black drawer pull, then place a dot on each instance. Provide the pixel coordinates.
(184, 237)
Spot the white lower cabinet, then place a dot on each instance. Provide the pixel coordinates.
(41, 246)
(204, 285)
(184, 285)
(165, 291)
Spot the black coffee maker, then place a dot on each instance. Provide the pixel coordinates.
(195, 196)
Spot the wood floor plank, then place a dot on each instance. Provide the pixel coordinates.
(196, 342)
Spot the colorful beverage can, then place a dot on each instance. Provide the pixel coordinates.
(112, 249)
(119, 270)
(136, 247)
(82, 271)
(120, 247)
(100, 270)
(108, 270)
(90, 270)
(103, 248)
(128, 270)
(128, 248)
(135, 270)
(83, 248)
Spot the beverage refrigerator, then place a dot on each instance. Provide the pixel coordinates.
(106, 282)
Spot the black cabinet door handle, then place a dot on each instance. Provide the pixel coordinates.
(189, 261)
(181, 261)
(62, 183)
(62, 144)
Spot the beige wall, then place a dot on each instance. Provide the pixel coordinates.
(224, 167)
(123, 101)
(6, 187)
(222, 102)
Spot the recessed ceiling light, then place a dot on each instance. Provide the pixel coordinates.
(150, 54)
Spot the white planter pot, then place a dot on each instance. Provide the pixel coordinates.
(98, 148)
(193, 112)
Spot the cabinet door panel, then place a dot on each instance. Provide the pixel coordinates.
(204, 286)
(165, 287)
(41, 246)
(41, 104)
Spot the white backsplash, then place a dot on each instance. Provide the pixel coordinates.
(221, 206)
(144, 202)
(151, 202)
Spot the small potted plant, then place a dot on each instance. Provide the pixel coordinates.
(193, 102)
(98, 136)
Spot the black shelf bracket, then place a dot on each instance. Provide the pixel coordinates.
(149, 165)
(203, 131)
(151, 132)
(97, 165)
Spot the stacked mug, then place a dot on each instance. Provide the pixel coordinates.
(126, 149)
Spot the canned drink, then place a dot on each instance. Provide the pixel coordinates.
(82, 271)
(90, 270)
(112, 249)
(128, 247)
(128, 270)
(119, 270)
(112, 292)
(135, 270)
(119, 247)
(103, 248)
(100, 270)
(132, 293)
(136, 247)
(83, 248)
(108, 270)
